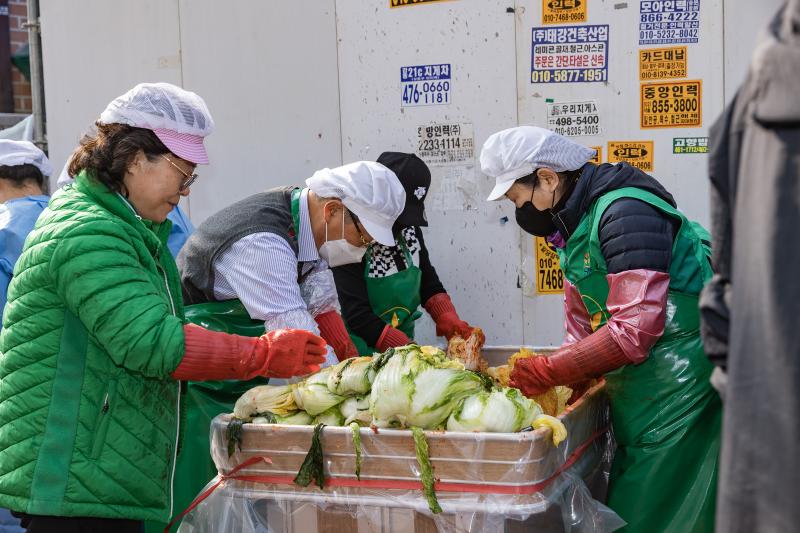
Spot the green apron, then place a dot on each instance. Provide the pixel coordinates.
(665, 414)
(395, 298)
(207, 399)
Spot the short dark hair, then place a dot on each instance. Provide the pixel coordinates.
(20, 175)
(107, 153)
(568, 177)
(531, 179)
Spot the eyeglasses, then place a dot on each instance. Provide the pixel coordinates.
(188, 179)
(364, 241)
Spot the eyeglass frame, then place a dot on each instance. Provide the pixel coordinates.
(188, 179)
(354, 218)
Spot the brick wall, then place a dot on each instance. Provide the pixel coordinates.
(17, 15)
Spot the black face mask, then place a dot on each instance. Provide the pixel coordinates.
(533, 221)
(540, 223)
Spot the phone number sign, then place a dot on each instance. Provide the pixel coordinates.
(574, 119)
(672, 104)
(549, 276)
(403, 3)
(669, 21)
(444, 144)
(690, 145)
(638, 154)
(563, 11)
(662, 63)
(425, 85)
(570, 54)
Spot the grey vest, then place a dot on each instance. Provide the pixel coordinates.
(269, 211)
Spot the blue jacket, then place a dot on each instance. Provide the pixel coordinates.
(17, 218)
(182, 228)
(9, 523)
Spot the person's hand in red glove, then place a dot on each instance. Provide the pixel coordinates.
(441, 309)
(282, 353)
(391, 338)
(637, 301)
(588, 358)
(332, 328)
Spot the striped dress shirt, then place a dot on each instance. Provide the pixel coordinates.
(260, 270)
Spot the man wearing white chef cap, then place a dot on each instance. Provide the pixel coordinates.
(23, 171)
(272, 251)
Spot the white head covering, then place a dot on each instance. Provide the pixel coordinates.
(368, 189)
(64, 178)
(179, 118)
(15, 153)
(516, 152)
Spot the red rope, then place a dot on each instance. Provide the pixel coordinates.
(206, 493)
(394, 484)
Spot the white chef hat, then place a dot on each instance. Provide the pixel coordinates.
(179, 118)
(15, 153)
(368, 189)
(514, 153)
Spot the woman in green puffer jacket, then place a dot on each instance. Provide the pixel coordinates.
(94, 343)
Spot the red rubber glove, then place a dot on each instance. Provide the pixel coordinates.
(441, 309)
(637, 302)
(283, 353)
(333, 330)
(391, 338)
(588, 358)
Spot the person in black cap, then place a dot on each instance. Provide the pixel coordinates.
(381, 295)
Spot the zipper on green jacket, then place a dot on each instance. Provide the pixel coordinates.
(103, 421)
(177, 406)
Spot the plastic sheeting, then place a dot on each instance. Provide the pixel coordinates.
(484, 481)
(21, 131)
(318, 290)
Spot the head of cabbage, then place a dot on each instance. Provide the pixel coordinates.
(419, 386)
(313, 395)
(275, 399)
(503, 410)
(356, 409)
(351, 377)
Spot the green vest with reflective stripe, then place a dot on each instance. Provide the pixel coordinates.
(583, 263)
(665, 414)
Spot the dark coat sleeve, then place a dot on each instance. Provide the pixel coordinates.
(430, 279)
(725, 139)
(356, 309)
(635, 235)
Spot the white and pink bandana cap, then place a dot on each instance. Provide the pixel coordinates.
(179, 118)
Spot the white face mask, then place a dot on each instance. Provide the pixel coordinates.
(340, 252)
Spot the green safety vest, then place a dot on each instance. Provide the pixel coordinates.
(394, 298)
(665, 414)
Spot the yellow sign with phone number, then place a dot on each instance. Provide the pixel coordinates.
(563, 11)
(549, 276)
(672, 104)
(662, 63)
(638, 154)
(402, 3)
